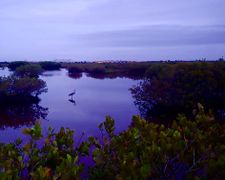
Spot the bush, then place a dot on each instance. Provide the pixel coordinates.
(49, 66)
(75, 69)
(56, 158)
(29, 70)
(132, 70)
(174, 88)
(13, 65)
(96, 70)
(3, 64)
(152, 151)
(21, 87)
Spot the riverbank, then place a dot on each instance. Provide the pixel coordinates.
(98, 69)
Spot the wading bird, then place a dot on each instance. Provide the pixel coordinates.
(72, 94)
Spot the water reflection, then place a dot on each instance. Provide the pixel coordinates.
(94, 99)
(4, 72)
(71, 95)
(51, 73)
(114, 76)
(23, 115)
(73, 102)
(100, 76)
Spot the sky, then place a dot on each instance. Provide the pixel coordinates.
(88, 30)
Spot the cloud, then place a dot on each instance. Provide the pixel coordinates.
(44, 11)
(49, 29)
(158, 35)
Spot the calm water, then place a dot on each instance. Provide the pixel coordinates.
(94, 99)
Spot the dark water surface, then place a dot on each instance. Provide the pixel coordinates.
(94, 99)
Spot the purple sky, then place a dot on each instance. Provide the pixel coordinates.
(112, 29)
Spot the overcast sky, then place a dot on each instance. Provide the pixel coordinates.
(112, 29)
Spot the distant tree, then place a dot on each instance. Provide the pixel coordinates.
(96, 70)
(221, 59)
(75, 69)
(49, 65)
(3, 64)
(21, 87)
(29, 70)
(13, 65)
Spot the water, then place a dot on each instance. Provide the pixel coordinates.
(4, 72)
(94, 99)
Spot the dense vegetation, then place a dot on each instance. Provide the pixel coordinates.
(12, 87)
(169, 89)
(23, 84)
(44, 65)
(13, 65)
(29, 70)
(110, 70)
(49, 65)
(184, 149)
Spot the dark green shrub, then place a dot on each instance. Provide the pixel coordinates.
(75, 69)
(29, 70)
(49, 65)
(56, 158)
(96, 70)
(21, 87)
(174, 88)
(185, 149)
(13, 65)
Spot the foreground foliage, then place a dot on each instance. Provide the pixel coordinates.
(184, 149)
(54, 157)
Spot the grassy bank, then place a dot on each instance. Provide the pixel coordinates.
(136, 70)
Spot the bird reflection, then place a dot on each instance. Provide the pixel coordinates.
(73, 102)
(71, 95)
